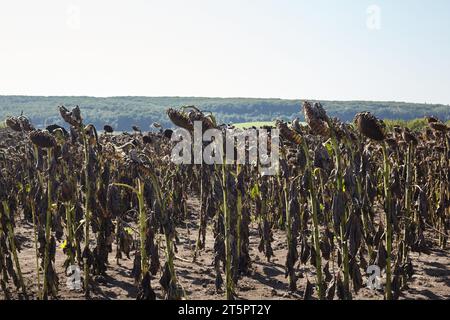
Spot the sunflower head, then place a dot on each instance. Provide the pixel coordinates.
(409, 137)
(71, 117)
(180, 119)
(316, 118)
(439, 126)
(13, 123)
(370, 126)
(43, 139)
(108, 129)
(288, 134)
(431, 119)
(19, 124)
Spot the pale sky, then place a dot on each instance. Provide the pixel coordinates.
(322, 49)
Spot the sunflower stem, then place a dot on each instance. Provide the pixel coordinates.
(316, 234)
(229, 279)
(47, 227)
(340, 188)
(86, 210)
(12, 242)
(388, 231)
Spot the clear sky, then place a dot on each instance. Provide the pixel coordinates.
(322, 49)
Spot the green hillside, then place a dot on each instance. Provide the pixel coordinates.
(123, 112)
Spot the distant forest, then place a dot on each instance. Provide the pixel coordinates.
(123, 112)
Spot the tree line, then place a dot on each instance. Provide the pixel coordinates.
(124, 112)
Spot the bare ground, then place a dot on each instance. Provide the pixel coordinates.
(266, 281)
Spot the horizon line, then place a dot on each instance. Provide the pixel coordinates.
(217, 97)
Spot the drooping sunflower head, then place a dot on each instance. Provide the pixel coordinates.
(288, 134)
(370, 126)
(19, 124)
(409, 137)
(13, 123)
(431, 119)
(180, 119)
(71, 117)
(208, 122)
(43, 139)
(316, 118)
(147, 139)
(439, 126)
(108, 129)
(25, 124)
(168, 133)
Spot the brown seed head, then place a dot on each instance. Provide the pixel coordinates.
(316, 118)
(147, 139)
(288, 134)
(439, 126)
(13, 123)
(168, 133)
(19, 124)
(71, 117)
(369, 126)
(409, 137)
(180, 119)
(392, 142)
(432, 119)
(25, 124)
(108, 128)
(43, 139)
(197, 115)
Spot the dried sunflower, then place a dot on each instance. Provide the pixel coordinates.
(13, 123)
(71, 117)
(288, 134)
(409, 137)
(108, 129)
(316, 118)
(439, 126)
(197, 115)
(370, 126)
(168, 133)
(53, 127)
(147, 139)
(43, 139)
(180, 119)
(431, 119)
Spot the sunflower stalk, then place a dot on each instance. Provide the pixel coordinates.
(12, 242)
(388, 222)
(70, 237)
(199, 244)
(408, 199)
(48, 223)
(35, 227)
(142, 221)
(170, 256)
(227, 218)
(142, 226)
(340, 188)
(87, 216)
(35, 239)
(239, 212)
(292, 278)
(316, 234)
